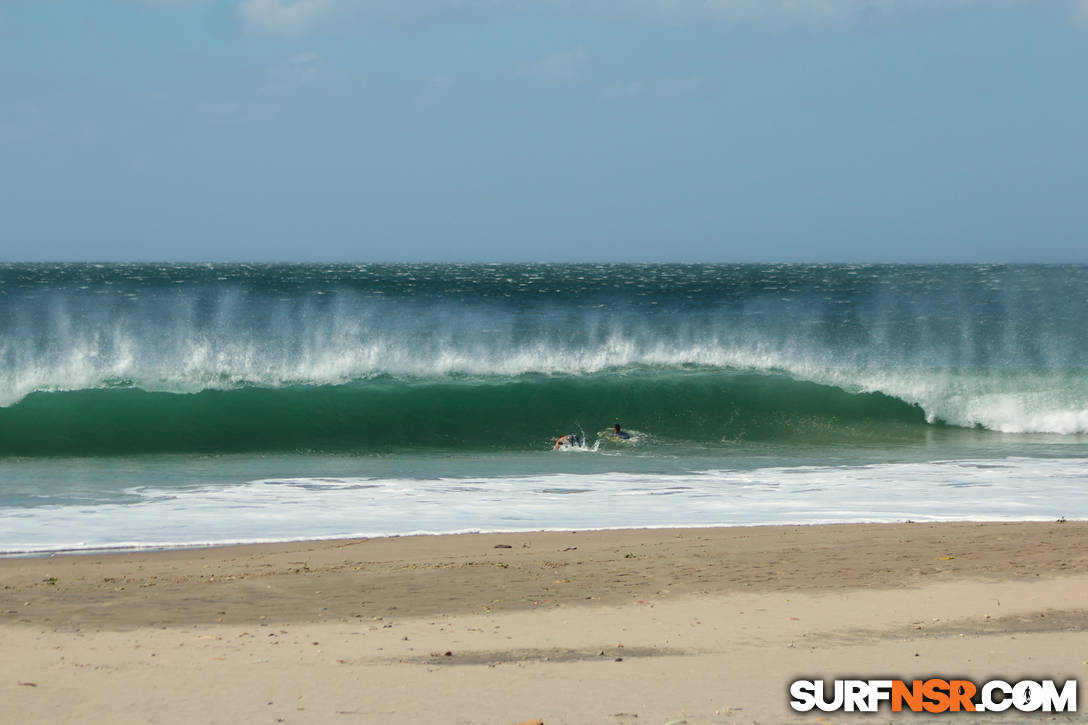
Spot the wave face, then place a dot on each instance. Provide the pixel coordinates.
(380, 415)
(115, 358)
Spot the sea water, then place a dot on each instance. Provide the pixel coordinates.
(161, 405)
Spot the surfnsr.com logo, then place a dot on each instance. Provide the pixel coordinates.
(934, 695)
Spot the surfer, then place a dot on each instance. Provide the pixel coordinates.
(568, 440)
(619, 434)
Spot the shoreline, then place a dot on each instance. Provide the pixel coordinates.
(135, 549)
(625, 627)
(211, 546)
(526, 568)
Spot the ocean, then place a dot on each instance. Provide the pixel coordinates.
(172, 405)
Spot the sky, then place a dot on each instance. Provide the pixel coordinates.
(544, 130)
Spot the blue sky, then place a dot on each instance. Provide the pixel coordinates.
(544, 130)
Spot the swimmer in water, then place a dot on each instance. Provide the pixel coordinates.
(568, 440)
(621, 434)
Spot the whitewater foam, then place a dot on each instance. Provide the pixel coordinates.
(297, 508)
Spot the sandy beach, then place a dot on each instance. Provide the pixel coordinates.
(625, 627)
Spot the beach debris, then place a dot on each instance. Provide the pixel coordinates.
(534, 721)
(677, 722)
(28, 684)
(502, 546)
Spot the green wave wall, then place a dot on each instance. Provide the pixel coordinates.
(524, 413)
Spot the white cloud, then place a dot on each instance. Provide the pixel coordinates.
(792, 11)
(306, 58)
(666, 87)
(441, 82)
(436, 91)
(560, 67)
(289, 17)
(1080, 11)
(679, 11)
(295, 17)
(298, 71)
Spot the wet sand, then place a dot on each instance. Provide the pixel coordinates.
(638, 626)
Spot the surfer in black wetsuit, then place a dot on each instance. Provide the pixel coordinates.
(621, 434)
(568, 440)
